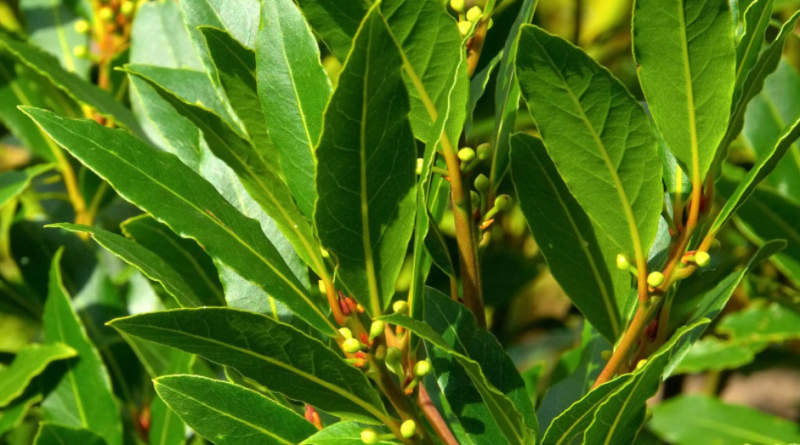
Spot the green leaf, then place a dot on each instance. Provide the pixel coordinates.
(240, 18)
(12, 416)
(506, 99)
(294, 90)
(620, 417)
(767, 115)
(713, 354)
(14, 182)
(365, 171)
(492, 382)
(55, 434)
(174, 194)
(29, 362)
(147, 262)
(590, 123)
(156, 40)
(477, 86)
(273, 354)
(436, 245)
(336, 24)
(581, 256)
(701, 420)
(188, 259)
(75, 87)
(765, 165)
(229, 414)
(82, 397)
(756, 21)
(51, 27)
(774, 323)
(687, 66)
(343, 433)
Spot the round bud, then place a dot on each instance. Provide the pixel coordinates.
(466, 154)
(702, 258)
(491, 23)
(641, 364)
(400, 307)
(482, 183)
(346, 333)
(421, 369)
(464, 27)
(127, 8)
(80, 51)
(623, 262)
(458, 5)
(606, 355)
(655, 279)
(82, 27)
(351, 346)
(369, 436)
(502, 202)
(474, 13)
(106, 13)
(420, 164)
(376, 329)
(475, 197)
(408, 429)
(484, 151)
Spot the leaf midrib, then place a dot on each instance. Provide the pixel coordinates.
(687, 69)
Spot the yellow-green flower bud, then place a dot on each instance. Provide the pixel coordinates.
(408, 429)
(421, 369)
(655, 279)
(484, 151)
(106, 13)
(474, 13)
(458, 5)
(346, 333)
(351, 346)
(464, 27)
(376, 330)
(641, 364)
(82, 27)
(482, 183)
(400, 307)
(702, 258)
(420, 164)
(369, 436)
(502, 202)
(127, 8)
(466, 154)
(606, 355)
(81, 51)
(623, 262)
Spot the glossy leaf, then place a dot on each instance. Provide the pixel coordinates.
(765, 165)
(184, 255)
(767, 115)
(229, 414)
(590, 123)
(477, 86)
(14, 182)
(75, 87)
(774, 323)
(29, 362)
(343, 433)
(12, 415)
(365, 171)
(618, 420)
(82, 397)
(271, 353)
(240, 18)
(700, 420)
(156, 40)
(713, 354)
(56, 434)
(687, 60)
(294, 90)
(581, 256)
(336, 24)
(174, 194)
(506, 99)
(756, 21)
(454, 336)
(51, 27)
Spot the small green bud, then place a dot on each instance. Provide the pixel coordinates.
(648, 415)
(655, 279)
(476, 198)
(408, 429)
(421, 369)
(458, 5)
(641, 364)
(346, 333)
(702, 258)
(606, 355)
(127, 8)
(491, 23)
(623, 262)
(482, 183)
(369, 436)
(466, 154)
(81, 51)
(420, 164)
(376, 330)
(502, 202)
(400, 307)
(82, 27)
(106, 13)
(474, 13)
(464, 27)
(351, 346)
(485, 151)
